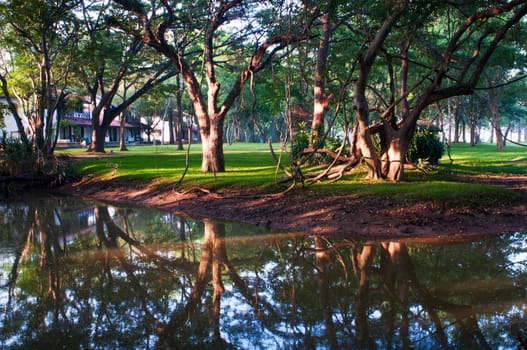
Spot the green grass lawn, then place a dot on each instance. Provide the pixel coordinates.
(247, 164)
(251, 167)
(485, 159)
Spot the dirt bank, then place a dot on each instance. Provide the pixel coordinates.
(305, 211)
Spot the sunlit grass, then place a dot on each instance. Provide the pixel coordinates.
(247, 164)
(485, 159)
(250, 167)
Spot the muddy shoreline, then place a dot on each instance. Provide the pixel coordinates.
(303, 211)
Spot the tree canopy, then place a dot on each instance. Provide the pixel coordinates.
(366, 71)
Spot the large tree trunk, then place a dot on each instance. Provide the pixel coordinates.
(493, 98)
(171, 135)
(500, 140)
(360, 102)
(473, 140)
(99, 140)
(122, 136)
(99, 131)
(364, 141)
(98, 135)
(397, 148)
(179, 130)
(320, 98)
(179, 115)
(38, 132)
(212, 147)
(457, 119)
(370, 157)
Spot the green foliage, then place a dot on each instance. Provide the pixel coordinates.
(15, 157)
(426, 146)
(38, 39)
(302, 140)
(158, 230)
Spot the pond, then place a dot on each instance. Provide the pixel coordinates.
(77, 274)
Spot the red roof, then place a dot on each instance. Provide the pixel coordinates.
(84, 121)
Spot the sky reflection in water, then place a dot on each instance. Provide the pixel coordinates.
(80, 275)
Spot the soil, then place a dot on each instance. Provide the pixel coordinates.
(304, 211)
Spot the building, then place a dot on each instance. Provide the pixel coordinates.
(75, 128)
(8, 124)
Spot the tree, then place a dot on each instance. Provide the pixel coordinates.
(503, 102)
(38, 39)
(175, 28)
(320, 97)
(111, 61)
(441, 51)
(154, 107)
(473, 109)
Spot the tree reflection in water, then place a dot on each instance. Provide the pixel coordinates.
(78, 275)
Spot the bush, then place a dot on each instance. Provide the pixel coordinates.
(16, 157)
(301, 141)
(425, 145)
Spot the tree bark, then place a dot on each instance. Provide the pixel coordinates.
(179, 131)
(397, 148)
(360, 102)
(14, 111)
(99, 140)
(212, 147)
(493, 100)
(122, 127)
(320, 98)
(171, 124)
(473, 140)
(179, 115)
(457, 120)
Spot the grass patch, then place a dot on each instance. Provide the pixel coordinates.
(248, 165)
(485, 159)
(251, 167)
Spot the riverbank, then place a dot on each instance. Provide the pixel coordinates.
(305, 210)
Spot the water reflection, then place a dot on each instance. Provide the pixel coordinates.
(79, 275)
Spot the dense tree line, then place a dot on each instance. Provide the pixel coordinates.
(371, 71)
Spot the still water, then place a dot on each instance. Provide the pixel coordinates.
(82, 275)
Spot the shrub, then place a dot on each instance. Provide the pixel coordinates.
(425, 145)
(16, 157)
(301, 141)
